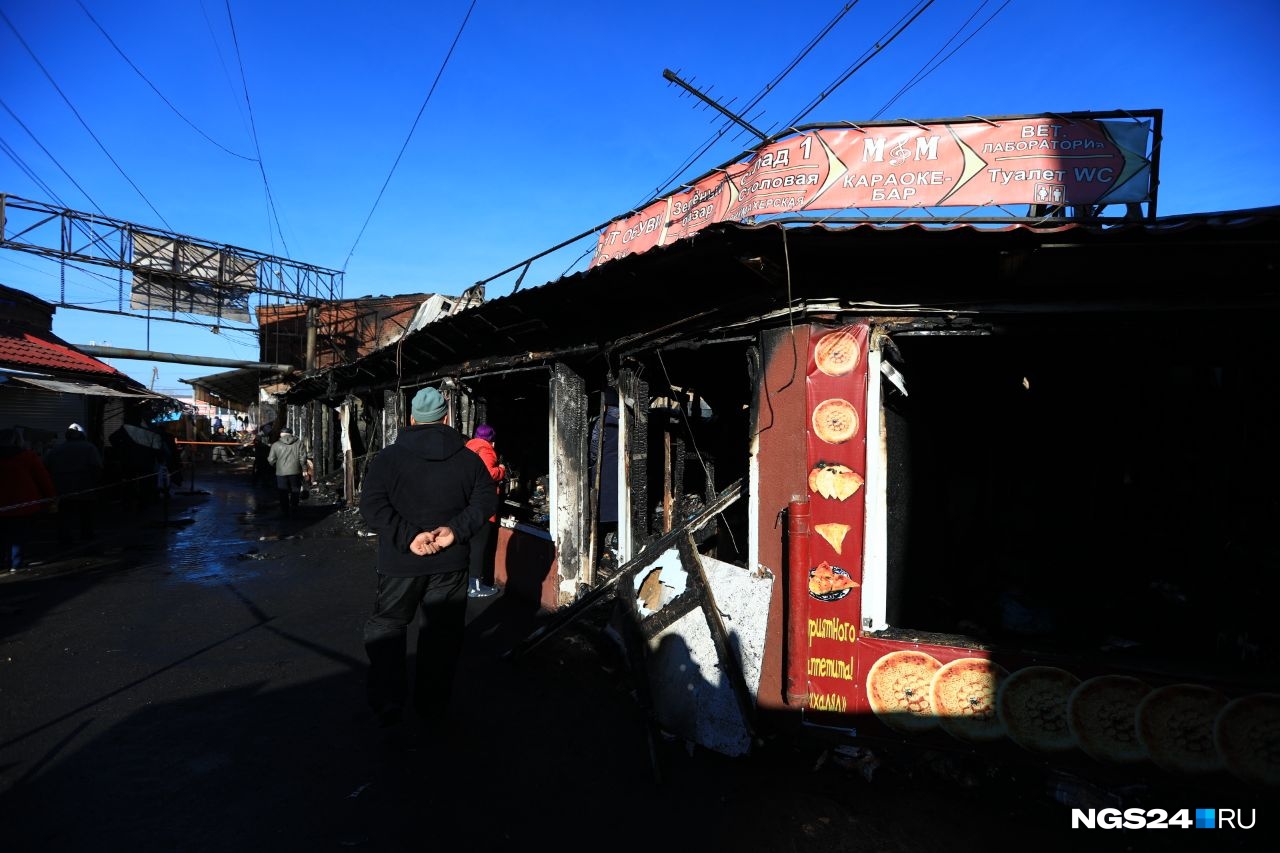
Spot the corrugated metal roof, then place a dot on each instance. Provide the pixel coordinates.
(731, 271)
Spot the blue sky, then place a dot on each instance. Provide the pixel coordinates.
(549, 118)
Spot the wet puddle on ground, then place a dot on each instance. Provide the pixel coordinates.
(215, 546)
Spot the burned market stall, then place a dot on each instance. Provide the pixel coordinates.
(858, 470)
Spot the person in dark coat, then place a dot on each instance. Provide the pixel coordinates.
(263, 473)
(143, 453)
(76, 468)
(426, 496)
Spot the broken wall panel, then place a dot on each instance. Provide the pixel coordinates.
(703, 644)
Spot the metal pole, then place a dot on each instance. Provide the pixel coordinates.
(177, 358)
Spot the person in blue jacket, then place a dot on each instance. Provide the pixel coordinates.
(426, 496)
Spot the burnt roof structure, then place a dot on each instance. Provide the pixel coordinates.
(729, 274)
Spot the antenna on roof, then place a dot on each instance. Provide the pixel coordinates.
(671, 77)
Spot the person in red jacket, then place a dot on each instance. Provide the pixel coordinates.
(482, 552)
(24, 482)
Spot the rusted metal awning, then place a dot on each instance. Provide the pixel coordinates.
(93, 389)
(232, 389)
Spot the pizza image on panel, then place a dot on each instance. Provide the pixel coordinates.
(964, 697)
(1032, 704)
(898, 690)
(835, 421)
(1175, 724)
(1102, 714)
(1247, 736)
(836, 353)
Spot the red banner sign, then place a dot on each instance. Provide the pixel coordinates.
(1016, 161)
(836, 463)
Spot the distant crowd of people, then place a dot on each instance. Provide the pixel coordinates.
(67, 479)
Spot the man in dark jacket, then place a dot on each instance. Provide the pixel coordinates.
(426, 496)
(76, 468)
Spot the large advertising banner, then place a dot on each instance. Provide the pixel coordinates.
(177, 276)
(836, 395)
(1029, 160)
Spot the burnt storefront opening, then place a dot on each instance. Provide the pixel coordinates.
(1085, 486)
(516, 405)
(696, 442)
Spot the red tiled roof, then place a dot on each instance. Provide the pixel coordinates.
(25, 349)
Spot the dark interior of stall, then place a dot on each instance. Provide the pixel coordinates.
(1089, 486)
(517, 406)
(696, 443)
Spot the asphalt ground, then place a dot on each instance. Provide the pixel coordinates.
(193, 681)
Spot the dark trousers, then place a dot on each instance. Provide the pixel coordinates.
(13, 539)
(262, 472)
(290, 488)
(75, 517)
(484, 547)
(442, 600)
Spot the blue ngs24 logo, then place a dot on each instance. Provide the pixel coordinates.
(1162, 819)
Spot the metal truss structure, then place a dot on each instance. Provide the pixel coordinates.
(216, 270)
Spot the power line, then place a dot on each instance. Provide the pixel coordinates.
(28, 171)
(222, 63)
(49, 154)
(414, 127)
(253, 126)
(666, 185)
(922, 73)
(879, 46)
(85, 124)
(40, 182)
(154, 88)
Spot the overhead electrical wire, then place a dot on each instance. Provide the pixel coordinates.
(49, 154)
(879, 46)
(667, 184)
(28, 171)
(923, 73)
(83, 123)
(218, 326)
(412, 128)
(905, 21)
(253, 126)
(155, 88)
(222, 63)
(31, 173)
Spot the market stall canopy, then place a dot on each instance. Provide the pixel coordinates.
(231, 389)
(86, 387)
(730, 271)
